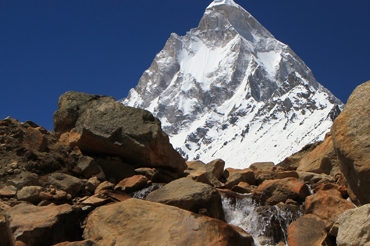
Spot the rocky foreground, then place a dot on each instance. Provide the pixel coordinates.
(108, 175)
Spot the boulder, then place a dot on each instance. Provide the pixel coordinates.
(35, 140)
(44, 226)
(92, 184)
(206, 173)
(354, 227)
(351, 137)
(8, 191)
(149, 173)
(292, 162)
(108, 127)
(216, 167)
(116, 169)
(244, 187)
(68, 183)
(190, 195)
(287, 174)
(144, 223)
(308, 230)
(263, 166)
(132, 184)
(328, 205)
(320, 160)
(235, 176)
(5, 237)
(313, 177)
(106, 185)
(24, 179)
(88, 166)
(272, 192)
(30, 194)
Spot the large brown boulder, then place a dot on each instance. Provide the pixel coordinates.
(106, 126)
(272, 192)
(323, 159)
(206, 173)
(190, 195)
(351, 136)
(354, 227)
(328, 205)
(308, 230)
(142, 223)
(44, 226)
(235, 176)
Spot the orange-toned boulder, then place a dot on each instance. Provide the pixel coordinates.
(132, 184)
(235, 176)
(139, 222)
(106, 126)
(264, 171)
(244, 187)
(320, 160)
(351, 137)
(308, 230)
(328, 205)
(34, 139)
(44, 226)
(190, 195)
(206, 173)
(271, 192)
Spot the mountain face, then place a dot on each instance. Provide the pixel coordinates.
(228, 89)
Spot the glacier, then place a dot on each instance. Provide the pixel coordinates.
(228, 89)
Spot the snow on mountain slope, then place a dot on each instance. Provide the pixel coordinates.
(228, 89)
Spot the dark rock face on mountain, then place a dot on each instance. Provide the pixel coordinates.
(351, 136)
(105, 126)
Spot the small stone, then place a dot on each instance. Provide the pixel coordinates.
(17, 171)
(14, 165)
(8, 191)
(10, 171)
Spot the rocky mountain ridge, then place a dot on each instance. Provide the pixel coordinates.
(228, 89)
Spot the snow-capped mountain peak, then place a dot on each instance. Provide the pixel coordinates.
(221, 2)
(228, 89)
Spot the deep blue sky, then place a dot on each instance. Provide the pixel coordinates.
(48, 47)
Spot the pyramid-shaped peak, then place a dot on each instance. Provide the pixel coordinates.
(222, 2)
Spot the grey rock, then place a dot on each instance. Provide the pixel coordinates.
(88, 166)
(30, 194)
(24, 179)
(354, 227)
(68, 183)
(108, 127)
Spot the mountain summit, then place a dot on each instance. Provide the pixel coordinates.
(228, 89)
